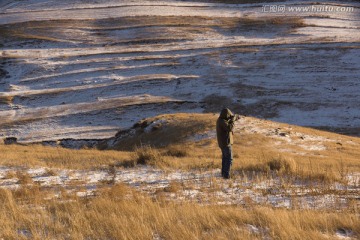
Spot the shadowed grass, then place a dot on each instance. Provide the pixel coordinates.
(164, 130)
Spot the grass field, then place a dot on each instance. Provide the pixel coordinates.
(117, 210)
(121, 213)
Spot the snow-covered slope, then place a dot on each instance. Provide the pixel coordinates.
(85, 69)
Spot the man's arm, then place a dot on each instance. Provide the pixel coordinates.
(227, 125)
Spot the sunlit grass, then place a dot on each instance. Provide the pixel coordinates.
(57, 157)
(121, 213)
(171, 139)
(117, 211)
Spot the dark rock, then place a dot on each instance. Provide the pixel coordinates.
(10, 140)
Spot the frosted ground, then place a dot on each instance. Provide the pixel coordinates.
(85, 69)
(204, 187)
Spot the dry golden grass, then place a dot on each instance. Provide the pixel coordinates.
(171, 139)
(169, 143)
(174, 186)
(24, 178)
(147, 155)
(57, 157)
(121, 213)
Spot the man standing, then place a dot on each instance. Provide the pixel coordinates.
(224, 132)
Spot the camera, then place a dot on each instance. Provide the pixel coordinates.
(234, 118)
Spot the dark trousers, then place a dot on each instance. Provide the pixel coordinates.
(227, 158)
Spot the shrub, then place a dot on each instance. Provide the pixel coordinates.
(177, 151)
(127, 163)
(281, 165)
(173, 187)
(24, 178)
(147, 155)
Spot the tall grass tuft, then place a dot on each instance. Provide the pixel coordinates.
(147, 155)
(276, 165)
(281, 165)
(177, 151)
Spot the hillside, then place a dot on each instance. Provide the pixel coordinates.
(171, 163)
(187, 143)
(255, 139)
(108, 112)
(99, 66)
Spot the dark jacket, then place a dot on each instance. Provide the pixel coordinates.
(224, 128)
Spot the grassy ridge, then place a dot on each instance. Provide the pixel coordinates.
(258, 145)
(173, 138)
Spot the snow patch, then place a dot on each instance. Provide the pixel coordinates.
(154, 125)
(203, 136)
(205, 187)
(344, 233)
